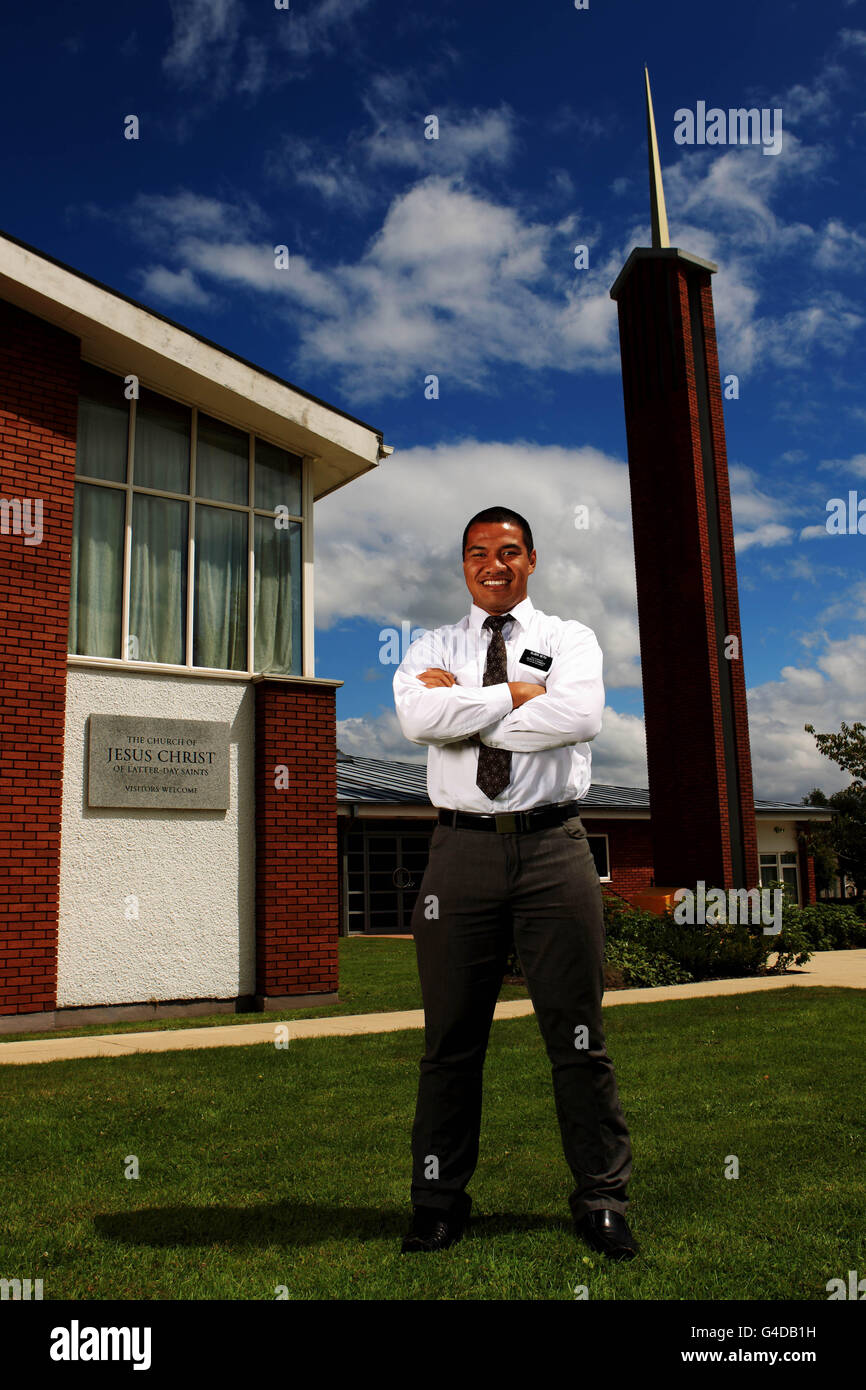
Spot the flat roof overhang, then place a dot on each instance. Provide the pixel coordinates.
(126, 337)
(656, 253)
(347, 806)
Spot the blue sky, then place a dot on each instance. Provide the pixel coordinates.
(455, 256)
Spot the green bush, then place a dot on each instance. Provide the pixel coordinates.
(649, 949)
(642, 967)
(708, 950)
(832, 926)
(635, 965)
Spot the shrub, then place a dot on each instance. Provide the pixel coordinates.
(710, 950)
(642, 966)
(644, 948)
(832, 926)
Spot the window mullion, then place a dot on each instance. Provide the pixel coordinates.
(308, 655)
(251, 559)
(190, 541)
(125, 601)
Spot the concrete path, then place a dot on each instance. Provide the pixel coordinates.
(843, 968)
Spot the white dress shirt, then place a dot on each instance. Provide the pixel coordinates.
(549, 735)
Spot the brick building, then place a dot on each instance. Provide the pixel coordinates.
(386, 820)
(692, 662)
(156, 565)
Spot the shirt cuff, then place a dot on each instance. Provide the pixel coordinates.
(499, 699)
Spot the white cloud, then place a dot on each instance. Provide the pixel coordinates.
(207, 50)
(786, 763)
(722, 206)
(618, 752)
(757, 510)
(828, 324)
(785, 759)
(320, 28)
(254, 75)
(394, 138)
(461, 281)
(335, 176)
(769, 534)
(840, 247)
(203, 41)
(453, 284)
(465, 141)
(162, 219)
(388, 548)
(390, 554)
(180, 288)
(856, 465)
(850, 607)
(378, 736)
(854, 39)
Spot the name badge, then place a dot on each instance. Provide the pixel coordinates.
(536, 659)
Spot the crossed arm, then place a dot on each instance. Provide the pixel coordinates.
(432, 707)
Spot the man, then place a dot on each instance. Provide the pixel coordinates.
(508, 700)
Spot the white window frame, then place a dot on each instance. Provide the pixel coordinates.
(765, 853)
(598, 835)
(306, 523)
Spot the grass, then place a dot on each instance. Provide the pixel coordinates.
(262, 1167)
(377, 975)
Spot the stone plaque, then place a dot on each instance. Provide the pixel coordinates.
(174, 764)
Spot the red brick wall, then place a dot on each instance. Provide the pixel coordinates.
(806, 864)
(297, 883)
(731, 593)
(678, 631)
(39, 367)
(630, 855)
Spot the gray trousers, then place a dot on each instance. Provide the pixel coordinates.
(479, 887)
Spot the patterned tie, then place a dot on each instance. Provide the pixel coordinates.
(494, 764)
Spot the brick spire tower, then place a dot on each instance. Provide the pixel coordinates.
(697, 730)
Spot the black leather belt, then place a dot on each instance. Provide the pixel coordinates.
(511, 822)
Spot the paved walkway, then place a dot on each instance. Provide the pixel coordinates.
(843, 968)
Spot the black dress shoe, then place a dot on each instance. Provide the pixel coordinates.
(434, 1228)
(606, 1230)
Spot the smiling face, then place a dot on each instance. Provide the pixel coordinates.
(496, 565)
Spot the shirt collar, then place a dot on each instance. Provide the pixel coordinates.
(521, 612)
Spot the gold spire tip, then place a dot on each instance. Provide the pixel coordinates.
(658, 212)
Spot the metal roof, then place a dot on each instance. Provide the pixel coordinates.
(380, 782)
(373, 780)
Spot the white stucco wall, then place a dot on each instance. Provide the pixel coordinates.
(769, 842)
(193, 873)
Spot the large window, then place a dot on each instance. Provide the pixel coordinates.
(382, 872)
(781, 868)
(599, 846)
(186, 542)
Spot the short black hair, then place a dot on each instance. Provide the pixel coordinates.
(501, 514)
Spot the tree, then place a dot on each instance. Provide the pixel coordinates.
(847, 834)
(820, 844)
(847, 748)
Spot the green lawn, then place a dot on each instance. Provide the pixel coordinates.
(377, 975)
(262, 1167)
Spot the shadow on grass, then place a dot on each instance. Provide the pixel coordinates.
(290, 1222)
